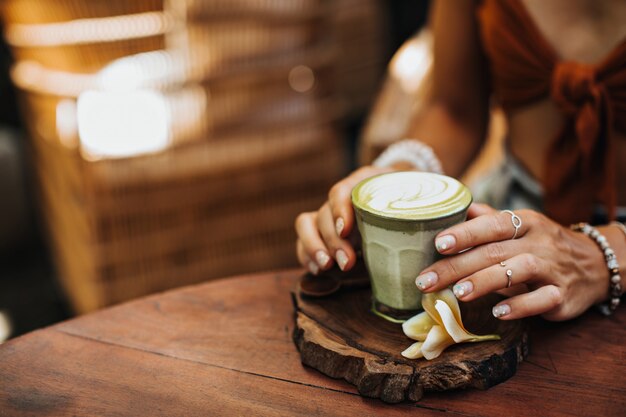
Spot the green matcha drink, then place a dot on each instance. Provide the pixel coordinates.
(399, 214)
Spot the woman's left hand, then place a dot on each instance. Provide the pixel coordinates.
(559, 273)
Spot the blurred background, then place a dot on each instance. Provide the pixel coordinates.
(150, 144)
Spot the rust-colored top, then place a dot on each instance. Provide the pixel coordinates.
(580, 165)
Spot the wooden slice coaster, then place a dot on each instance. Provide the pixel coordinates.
(339, 336)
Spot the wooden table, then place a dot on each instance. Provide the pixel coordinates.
(225, 348)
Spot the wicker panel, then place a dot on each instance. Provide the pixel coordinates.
(230, 40)
(117, 236)
(213, 158)
(88, 57)
(222, 198)
(255, 101)
(258, 101)
(291, 9)
(48, 11)
(361, 36)
(56, 34)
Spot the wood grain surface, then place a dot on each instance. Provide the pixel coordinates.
(225, 348)
(339, 336)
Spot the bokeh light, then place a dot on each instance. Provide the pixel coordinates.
(120, 124)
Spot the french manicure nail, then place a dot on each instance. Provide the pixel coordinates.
(339, 225)
(322, 258)
(445, 243)
(342, 259)
(462, 289)
(314, 268)
(427, 280)
(501, 310)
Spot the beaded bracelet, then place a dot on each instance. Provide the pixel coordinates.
(615, 290)
(413, 151)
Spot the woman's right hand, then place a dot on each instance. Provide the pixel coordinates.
(324, 236)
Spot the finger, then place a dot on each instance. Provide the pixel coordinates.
(514, 290)
(542, 300)
(493, 227)
(304, 259)
(339, 248)
(456, 267)
(314, 247)
(517, 270)
(340, 199)
(478, 209)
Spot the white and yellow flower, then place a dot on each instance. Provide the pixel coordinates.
(438, 326)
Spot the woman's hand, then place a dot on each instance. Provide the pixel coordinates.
(559, 273)
(326, 235)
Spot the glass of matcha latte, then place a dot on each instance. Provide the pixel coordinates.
(398, 215)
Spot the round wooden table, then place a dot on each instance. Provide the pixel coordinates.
(225, 348)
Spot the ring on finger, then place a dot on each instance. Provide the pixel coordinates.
(509, 278)
(509, 274)
(515, 220)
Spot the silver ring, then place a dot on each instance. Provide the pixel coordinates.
(516, 220)
(509, 279)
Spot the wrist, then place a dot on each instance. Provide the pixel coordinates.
(410, 154)
(612, 267)
(402, 166)
(596, 271)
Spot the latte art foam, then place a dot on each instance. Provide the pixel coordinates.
(412, 195)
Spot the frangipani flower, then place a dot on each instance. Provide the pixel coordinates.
(438, 326)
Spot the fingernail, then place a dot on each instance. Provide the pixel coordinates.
(462, 289)
(444, 243)
(322, 258)
(427, 280)
(342, 259)
(314, 268)
(501, 310)
(339, 225)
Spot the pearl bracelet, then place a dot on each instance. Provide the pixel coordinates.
(413, 151)
(615, 290)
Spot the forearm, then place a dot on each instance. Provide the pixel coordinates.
(454, 121)
(456, 139)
